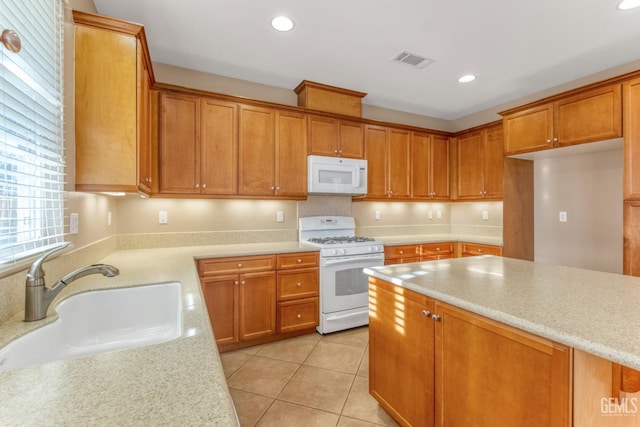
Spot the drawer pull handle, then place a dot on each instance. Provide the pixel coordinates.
(435, 317)
(298, 284)
(401, 252)
(299, 260)
(426, 313)
(437, 249)
(239, 265)
(299, 316)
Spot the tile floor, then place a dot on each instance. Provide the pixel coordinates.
(313, 380)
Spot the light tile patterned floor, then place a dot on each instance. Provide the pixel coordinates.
(313, 380)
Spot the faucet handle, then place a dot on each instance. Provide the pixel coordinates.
(35, 275)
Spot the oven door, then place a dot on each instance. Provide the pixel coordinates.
(343, 285)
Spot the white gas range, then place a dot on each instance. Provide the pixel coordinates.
(344, 289)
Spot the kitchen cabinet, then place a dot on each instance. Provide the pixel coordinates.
(480, 164)
(113, 76)
(387, 151)
(435, 251)
(402, 353)
(198, 145)
(272, 153)
(591, 115)
(298, 292)
(257, 299)
(240, 297)
(401, 254)
(631, 111)
(430, 174)
(475, 249)
(449, 372)
(335, 138)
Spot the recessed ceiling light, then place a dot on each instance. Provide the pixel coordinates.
(467, 78)
(282, 23)
(628, 4)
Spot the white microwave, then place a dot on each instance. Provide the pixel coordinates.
(337, 175)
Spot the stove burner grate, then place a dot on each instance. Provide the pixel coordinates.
(339, 240)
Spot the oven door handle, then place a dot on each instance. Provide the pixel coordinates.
(345, 316)
(353, 260)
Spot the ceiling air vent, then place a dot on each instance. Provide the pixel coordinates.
(413, 59)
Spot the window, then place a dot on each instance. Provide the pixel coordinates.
(31, 140)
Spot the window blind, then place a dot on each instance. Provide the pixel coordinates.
(31, 139)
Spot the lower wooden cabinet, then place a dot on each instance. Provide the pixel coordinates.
(475, 249)
(257, 299)
(436, 364)
(403, 254)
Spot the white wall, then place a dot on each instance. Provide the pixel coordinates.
(589, 188)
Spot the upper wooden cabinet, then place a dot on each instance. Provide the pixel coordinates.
(113, 75)
(387, 151)
(631, 109)
(198, 145)
(272, 153)
(335, 137)
(480, 164)
(429, 166)
(588, 116)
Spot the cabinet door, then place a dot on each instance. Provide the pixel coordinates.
(474, 249)
(591, 116)
(291, 154)
(105, 110)
(221, 296)
(528, 130)
(219, 147)
(439, 168)
(631, 99)
(144, 126)
(375, 149)
(631, 255)
(323, 136)
(257, 305)
(470, 166)
(398, 172)
(179, 143)
(493, 162)
(480, 364)
(401, 353)
(420, 165)
(257, 151)
(351, 140)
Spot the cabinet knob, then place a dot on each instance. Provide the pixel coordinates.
(273, 188)
(555, 139)
(239, 265)
(435, 317)
(197, 185)
(335, 151)
(401, 252)
(299, 284)
(204, 185)
(235, 282)
(437, 249)
(548, 141)
(339, 151)
(426, 313)
(299, 316)
(150, 180)
(299, 260)
(278, 188)
(479, 250)
(242, 282)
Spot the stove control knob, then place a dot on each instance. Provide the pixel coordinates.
(341, 251)
(331, 252)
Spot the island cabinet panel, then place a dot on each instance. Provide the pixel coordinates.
(586, 116)
(490, 374)
(631, 111)
(256, 305)
(431, 363)
(401, 353)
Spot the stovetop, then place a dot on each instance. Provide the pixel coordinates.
(337, 240)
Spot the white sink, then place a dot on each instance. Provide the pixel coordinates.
(101, 321)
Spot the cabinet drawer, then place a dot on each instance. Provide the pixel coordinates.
(401, 251)
(293, 284)
(297, 315)
(471, 249)
(429, 249)
(207, 267)
(405, 260)
(298, 260)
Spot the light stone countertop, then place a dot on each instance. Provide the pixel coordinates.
(438, 238)
(180, 382)
(592, 311)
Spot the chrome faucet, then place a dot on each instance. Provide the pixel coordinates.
(39, 297)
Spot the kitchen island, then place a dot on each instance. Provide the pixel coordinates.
(484, 337)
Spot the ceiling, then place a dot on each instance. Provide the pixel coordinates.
(515, 48)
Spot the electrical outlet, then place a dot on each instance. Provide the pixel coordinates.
(163, 217)
(563, 216)
(377, 215)
(73, 223)
(439, 214)
(485, 215)
(430, 215)
(280, 216)
(108, 219)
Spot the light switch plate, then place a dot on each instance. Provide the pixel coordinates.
(73, 223)
(163, 217)
(485, 215)
(563, 216)
(377, 215)
(280, 216)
